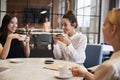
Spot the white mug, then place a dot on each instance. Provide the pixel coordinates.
(64, 71)
(23, 37)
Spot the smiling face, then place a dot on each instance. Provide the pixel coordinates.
(69, 23)
(67, 27)
(12, 25)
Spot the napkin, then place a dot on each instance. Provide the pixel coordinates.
(57, 64)
(2, 69)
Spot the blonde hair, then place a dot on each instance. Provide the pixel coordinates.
(114, 18)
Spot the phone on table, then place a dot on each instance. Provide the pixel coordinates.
(49, 61)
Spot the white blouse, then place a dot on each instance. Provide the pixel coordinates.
(75, 52)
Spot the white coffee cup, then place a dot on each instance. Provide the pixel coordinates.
(64, 71)
(23, 37)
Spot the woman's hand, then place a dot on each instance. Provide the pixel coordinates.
(27, 39)
(62, 38)
(14, 36)
(78, 72)
(55, 38)
(17, 36)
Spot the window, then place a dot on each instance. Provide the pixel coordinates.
(88, 15)
(83, 13)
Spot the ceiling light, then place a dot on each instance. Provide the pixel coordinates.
(43, 12)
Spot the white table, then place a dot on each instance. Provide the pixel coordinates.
(30, 69)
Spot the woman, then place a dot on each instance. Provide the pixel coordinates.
(14, 46)
(71, 45)
(110, 69)
(46, 25)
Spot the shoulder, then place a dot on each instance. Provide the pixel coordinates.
(110, 66)
(1, 48)
(103, 72)
(81, 36)
(0, 45)
(105, 65)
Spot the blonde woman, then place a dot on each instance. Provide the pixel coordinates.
(109, 70)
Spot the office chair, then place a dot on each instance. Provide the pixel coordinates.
(93, 55)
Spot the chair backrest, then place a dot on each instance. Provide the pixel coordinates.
(93, 55)
(43, 46)
(43, 40)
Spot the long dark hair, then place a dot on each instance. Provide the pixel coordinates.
(6, 20)
(71, 17)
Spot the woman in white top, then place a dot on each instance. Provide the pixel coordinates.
(71, 45)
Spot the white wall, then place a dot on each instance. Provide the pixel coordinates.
(3, 8)
(119, 3)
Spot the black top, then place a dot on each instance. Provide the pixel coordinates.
(16, 48)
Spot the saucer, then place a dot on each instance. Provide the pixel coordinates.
(16, 60)
(57, 75)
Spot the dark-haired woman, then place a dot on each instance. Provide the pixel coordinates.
(71, 45)
(14, 46)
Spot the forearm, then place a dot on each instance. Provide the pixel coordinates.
(6, 48)
(27, 49)
(77, 49)
(57, 51)
(89, 76)
(76, 54)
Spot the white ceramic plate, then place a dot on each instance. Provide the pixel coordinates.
(16, 60)
(57, 75)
